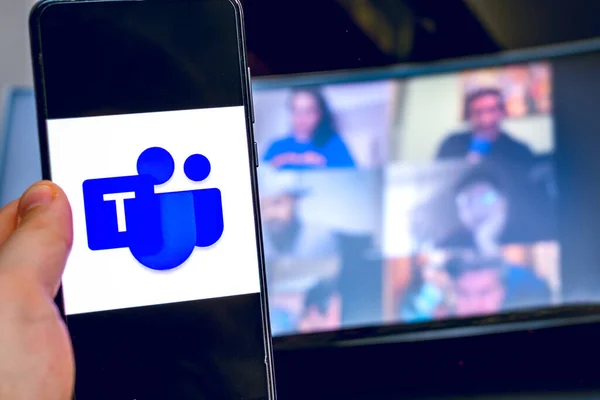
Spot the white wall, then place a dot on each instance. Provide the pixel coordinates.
(15, 68)
(431, 110)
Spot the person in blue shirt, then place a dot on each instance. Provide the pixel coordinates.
(313, 141)
(478, 285)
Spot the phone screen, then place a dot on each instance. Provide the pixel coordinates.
(148, 135)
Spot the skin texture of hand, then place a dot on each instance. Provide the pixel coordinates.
(36, 359)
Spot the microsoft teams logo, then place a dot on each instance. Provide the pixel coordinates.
(161, 230)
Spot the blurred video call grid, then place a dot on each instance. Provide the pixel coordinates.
(408, 200)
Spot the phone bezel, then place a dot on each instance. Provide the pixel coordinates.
(41, 108)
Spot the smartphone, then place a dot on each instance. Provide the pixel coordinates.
(145, 120)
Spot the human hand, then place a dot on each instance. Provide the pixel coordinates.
(310, 158)
(283, 159)
(36, 359)
(314, 159)
(488, 233)
(437, 277)
(474, 158)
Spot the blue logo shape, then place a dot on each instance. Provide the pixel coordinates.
(161, 230)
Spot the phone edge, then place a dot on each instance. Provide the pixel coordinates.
(252, 159)
(40, 101)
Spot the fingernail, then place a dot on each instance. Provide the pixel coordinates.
(37, 195)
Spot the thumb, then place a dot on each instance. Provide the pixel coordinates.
(39, 247)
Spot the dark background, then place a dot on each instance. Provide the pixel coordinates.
(286, 37)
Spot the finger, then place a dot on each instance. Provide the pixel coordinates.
(39, 247)
(8, 220)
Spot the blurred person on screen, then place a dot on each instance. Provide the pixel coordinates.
(478, 285)
(485, 138)
(425, 295)
(483, 286)
(322, 308)
(485, 218)
(313, 141)
(284, 232)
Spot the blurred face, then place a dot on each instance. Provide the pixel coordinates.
(486, 115)
(277, 212)
(479, 203)
(305, 115)
(315, 321)
(479, 293)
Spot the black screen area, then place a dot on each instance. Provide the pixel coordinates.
(128, 57)
(206, 349)
(105, 58)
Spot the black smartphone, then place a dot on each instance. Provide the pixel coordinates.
(145, 120)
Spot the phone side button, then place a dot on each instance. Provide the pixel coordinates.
(250, 96)
(256, 162)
